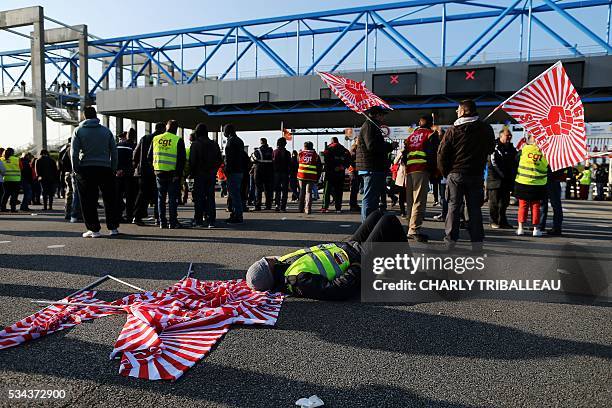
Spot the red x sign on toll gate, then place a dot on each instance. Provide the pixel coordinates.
(394, 79)
(470, 75)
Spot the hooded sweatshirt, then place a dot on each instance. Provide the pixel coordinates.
(93, 145)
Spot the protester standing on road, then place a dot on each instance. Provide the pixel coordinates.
(372, 151)
(530, 186)
(94, 161)
(500, 179)
(167, 154)
(336, 159)
(46, 171)
(2, 173)
(309, 169)
(419, 161)
(27, 179)
(263, 174)
(461, 159)
(204, 160)
(143, 170)
(601, 179)
(293, 182)
(281, 161)
(355, 179)
(234, 169)
(126, 183)
(553, 192)
(12, 180)
(585, 182)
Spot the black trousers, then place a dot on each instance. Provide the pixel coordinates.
(499, 200)
(460, 186)
(334, 187)
(48, 192)
(90, 181)
(355, 184)
(11, 191)
(147, 193)
(380, 227)
(263, 185)
(281, 190)
(127, 190)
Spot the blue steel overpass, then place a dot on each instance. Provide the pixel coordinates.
(259, 72)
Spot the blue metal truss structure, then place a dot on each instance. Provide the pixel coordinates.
(165, 53)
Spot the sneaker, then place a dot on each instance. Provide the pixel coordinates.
(211, 225)
(338, 211)
(195, 224)
(73, 220)
(91, 234)
(537, 232)
(324, 210)
(163, 226)
(554, 232)
(436, 203)
(139, 222)
(418, 237)
(113, 232)
(308, 212)
(520, 231)
(177, 225)
(495, 226)
(438, 217)
(277, 209)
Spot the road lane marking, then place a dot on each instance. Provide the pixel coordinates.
(56, 246)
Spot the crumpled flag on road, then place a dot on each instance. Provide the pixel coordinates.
(168, 331)
(55, 318)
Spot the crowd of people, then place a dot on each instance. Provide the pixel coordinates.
(160, 171)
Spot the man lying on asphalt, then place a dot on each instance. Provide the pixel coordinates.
(327, 271)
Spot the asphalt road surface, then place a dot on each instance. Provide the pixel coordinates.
(467, 353)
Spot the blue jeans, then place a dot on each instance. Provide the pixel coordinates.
(234, 181)
(554, 195)
(27, 195)
(167, 187)
(373, 186)
(204, 198)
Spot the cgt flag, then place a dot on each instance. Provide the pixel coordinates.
(550, 109)
(354, 94)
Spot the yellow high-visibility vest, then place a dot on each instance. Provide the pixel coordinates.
(13, 172)
(165, 149)
(533, 166)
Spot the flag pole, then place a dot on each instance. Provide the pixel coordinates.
(517, 92)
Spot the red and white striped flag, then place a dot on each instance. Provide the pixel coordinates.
(354, 94)
(550, 109)
(55, 318)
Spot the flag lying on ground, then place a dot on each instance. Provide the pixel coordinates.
(54, 318)
(166, 332)
(550, 109)
(354, 94)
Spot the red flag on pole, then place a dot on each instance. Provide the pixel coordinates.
(550, 109)
(354, 94)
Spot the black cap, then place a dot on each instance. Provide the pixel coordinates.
(375, 110)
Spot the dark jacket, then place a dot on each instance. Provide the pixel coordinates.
(465, 147)
(262, 161)
(281, 161)
(601, 174)
(93, 145)
(234, 151)
(373, 150)
(337, 158)
(125, 154)
(46, 169)
(65, 162)
(204, 157)
(26, 171)
(502, 166)
(140, 158)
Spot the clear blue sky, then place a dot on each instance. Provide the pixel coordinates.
(112, 18)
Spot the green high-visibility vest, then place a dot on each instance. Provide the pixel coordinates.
(585, 180)
(327, 260)
(13, 172)
(532, 170)
(165, 148)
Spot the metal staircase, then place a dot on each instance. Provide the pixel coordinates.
(60, 115)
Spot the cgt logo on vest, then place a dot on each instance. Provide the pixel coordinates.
(165, 142)
(536, 157)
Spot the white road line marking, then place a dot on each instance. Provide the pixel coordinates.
(345, 225)
(56, 246)
(4, 242)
